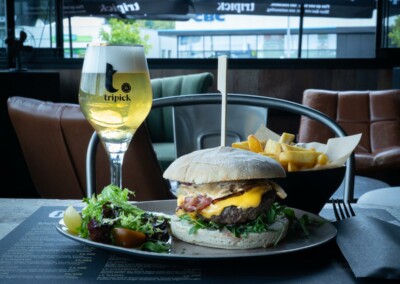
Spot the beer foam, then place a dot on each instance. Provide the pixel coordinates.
(123, 58)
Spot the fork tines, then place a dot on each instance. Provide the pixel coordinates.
(342, 210)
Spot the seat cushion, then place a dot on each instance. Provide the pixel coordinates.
(54, 138)
(159, 121)
(364, 160)
(39, 131)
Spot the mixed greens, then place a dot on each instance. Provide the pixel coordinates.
(261, 224)
(110, 218)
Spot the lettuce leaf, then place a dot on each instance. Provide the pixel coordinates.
(112, 209)
(111, 198)
(259, 225)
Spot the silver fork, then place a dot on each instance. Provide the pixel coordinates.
(342, 209)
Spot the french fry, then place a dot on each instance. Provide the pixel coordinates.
(273, 156)
(286, 147)
(254, 144)
(301, 158)
(272, 147)
(286, 138)
(241, 145)
(322, 159)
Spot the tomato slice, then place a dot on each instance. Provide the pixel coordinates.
(128, 238)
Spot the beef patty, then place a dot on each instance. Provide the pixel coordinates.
(236, 215)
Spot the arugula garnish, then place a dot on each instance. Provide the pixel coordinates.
(302, 224)
(261, 224)
(156, 246)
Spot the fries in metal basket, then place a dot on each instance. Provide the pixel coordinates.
(291, 157)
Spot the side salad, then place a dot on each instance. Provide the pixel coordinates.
(110, 218)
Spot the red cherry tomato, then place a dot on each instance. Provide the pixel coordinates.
(128, 238)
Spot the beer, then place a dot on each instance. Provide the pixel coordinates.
(116, 115)
(115, 96)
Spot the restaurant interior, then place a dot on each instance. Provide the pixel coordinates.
(49, 74)
(272, 79)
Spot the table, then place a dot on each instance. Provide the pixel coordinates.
(63, 260)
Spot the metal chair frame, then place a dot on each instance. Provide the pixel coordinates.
(238, 99)
(198, 126)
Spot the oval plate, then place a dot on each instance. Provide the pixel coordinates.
(182, 250)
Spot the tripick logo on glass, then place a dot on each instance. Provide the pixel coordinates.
(109, 84)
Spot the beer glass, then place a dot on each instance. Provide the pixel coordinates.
(115, 96)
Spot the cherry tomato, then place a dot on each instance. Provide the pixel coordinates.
(128, 238)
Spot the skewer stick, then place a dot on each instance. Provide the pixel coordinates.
(222, 67)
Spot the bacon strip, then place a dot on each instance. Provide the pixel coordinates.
(195, 203)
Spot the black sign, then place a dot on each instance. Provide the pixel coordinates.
(126, 8)
(185, 9)
(312, 8)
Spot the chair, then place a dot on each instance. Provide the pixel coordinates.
(375, 114)
(54, 139)
(249, 100)
(199, 126)
(160, 122)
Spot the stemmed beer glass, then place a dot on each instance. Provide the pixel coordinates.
(115, 96)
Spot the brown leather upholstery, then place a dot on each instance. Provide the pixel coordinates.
(54, 139)
(375, 114)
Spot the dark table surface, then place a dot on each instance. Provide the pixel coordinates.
(32, 250)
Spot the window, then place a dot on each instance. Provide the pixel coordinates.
(325, 31)
(391, 24)
(323, 45)
(34, 18)
(273, 46)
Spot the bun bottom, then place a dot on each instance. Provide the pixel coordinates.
(225, 239)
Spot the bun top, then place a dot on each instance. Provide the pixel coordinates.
(222, 164)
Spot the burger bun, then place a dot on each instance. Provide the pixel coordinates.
(222, 164)
(225, 239)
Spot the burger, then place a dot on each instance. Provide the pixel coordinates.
(225, 199)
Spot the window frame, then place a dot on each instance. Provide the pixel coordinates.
(54, 57)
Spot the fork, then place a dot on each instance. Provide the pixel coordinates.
(342, 209)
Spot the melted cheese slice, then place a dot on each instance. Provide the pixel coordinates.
(251, 198)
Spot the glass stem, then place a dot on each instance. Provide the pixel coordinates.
(116, 160)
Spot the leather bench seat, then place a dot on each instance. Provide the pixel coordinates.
(54, 138)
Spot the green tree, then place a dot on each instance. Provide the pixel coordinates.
(125, 31)
(394, 34)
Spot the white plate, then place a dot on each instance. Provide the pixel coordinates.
(182, 250)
